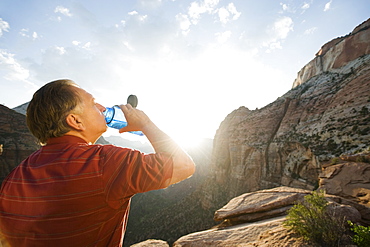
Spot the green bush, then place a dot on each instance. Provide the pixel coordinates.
(362, 235)
(362, 159)
(334, 161)
(311, 220)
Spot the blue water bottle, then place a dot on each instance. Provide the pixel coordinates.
(115, 118)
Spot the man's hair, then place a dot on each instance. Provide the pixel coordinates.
(49, 107)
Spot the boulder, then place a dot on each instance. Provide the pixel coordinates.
(350, 180)
(260, 204)
(151, 243)
(268, 233)
(255, 219)
(271, 203)
(246, 234)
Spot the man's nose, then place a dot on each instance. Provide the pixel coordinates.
(101, 108)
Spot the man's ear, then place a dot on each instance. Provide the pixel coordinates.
(74, 121)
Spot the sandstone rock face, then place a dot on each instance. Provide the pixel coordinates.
(16, 140)
(271, 203)
(349, 180)
(337, 53)
(255, 219)
(151, 243)
(259, 202)
(286, 142)
(241, 235)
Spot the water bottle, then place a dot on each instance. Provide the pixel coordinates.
(115, 118)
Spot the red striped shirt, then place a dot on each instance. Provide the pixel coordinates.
(70, 193)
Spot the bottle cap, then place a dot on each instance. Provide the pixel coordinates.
(132, 100)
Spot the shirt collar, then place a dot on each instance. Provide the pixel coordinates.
(65, 139)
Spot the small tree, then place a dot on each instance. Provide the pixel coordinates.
(362, 235)
(312, 220)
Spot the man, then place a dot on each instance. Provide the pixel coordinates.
(72, 192)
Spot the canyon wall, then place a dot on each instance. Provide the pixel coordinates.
(16, 140)
(286, 143)
(337, 53)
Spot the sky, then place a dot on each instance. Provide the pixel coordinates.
(190, 62)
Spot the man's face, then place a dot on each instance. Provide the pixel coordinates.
(91, 115)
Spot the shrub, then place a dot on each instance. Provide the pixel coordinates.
(312, 220)
(334, 161)
(362, 159)
(362, 235)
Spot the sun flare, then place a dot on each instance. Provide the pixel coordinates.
(186, 141)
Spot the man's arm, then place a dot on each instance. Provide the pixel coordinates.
(183, 165)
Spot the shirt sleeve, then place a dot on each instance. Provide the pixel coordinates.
(127, 172)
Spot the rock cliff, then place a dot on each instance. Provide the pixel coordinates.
(325, 115)
(337, 53)
(16, 140)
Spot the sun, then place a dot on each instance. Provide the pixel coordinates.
(185, 139)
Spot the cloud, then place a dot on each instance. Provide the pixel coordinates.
(327, 5)
(223, 37)
(110, 51)
(310, 31)
(225, 13)
(141, 18)
(282, 27)
(141, 35)
(4, 26)
(278, 32)
(151, 4)
(198, 8)
(16, 80)
(133, 13)
(305, 6)
(231, 7)
(86, 46)
(293, 7)
(34, 35)
(60, 50)
(14, 70)
(62, 10)
(184, 23)
(287, 8)
(26, 33)
(284, 6)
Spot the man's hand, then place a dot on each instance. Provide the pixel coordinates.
(136, 119)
